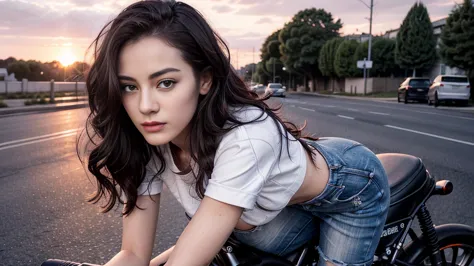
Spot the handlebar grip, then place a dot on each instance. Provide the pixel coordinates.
(52, 262)
(59, 263)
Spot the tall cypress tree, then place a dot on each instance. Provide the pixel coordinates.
(457, 40)
(416, 44)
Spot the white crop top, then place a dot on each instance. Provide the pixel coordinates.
(251, 170)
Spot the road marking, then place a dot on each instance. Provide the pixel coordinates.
(431, 135)
(37, 141)
(384, 105)
(352, 109)
(346, 117)
(329, 106)
(377, 113)
(307, 109)
(39, 137)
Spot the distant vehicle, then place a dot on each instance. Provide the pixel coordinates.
(259, 89)
(276, 89)
(449, 88)
(414, 89)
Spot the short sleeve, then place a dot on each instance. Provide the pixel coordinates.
(151, 185)
(241, 167)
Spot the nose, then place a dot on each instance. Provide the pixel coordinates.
(148, 103)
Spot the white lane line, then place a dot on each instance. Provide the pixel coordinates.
(346, 117)
(37, 141)
(385, 105)
(352, 109)
(377, 113)
(431, 135)
(39, 137)
(329, 106)
(307, 109)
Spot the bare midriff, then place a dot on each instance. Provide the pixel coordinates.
(314, 182)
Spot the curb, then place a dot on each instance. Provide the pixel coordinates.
(43, 108)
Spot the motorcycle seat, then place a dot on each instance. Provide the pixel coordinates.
(409, 184)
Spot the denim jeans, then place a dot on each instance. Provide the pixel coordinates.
(351, 210)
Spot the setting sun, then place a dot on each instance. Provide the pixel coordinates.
(67, 59)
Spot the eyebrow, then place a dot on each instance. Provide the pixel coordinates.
(152, 76)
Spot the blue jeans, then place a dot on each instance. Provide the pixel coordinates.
(351, 210)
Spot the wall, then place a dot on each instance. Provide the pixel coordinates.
(356, 85)
(41, 86)
(386, 84)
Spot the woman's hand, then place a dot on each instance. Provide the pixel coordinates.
(162, 258)
(205, 234)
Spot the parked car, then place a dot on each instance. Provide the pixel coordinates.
(276, 89)
(414, 89)
(449, 87)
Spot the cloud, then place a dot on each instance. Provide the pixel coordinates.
(29, 19)
(264, 20)
(222, 9)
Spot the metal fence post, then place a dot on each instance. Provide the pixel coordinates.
(51, 91)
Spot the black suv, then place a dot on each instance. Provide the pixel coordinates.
(414, 89)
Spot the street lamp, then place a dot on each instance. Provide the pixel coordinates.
(371, 7)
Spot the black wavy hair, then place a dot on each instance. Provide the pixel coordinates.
(120, 153)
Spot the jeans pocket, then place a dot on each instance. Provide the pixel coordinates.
(238, 231)
(354, 182)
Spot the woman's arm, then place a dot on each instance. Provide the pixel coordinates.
(205, 234)
(138, 237)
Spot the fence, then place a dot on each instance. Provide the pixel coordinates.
(356, 85)
(26, 86)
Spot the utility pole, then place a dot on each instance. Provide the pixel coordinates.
(366, 73)
(253, 65)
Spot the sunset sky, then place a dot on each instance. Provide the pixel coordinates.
(48, 30)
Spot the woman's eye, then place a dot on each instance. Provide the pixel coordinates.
(128, 88)
(166, 84)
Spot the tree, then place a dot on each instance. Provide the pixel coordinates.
(270, 53)
(327, 57)
(383, 56)
(20, 68)
(416, 44)
(361, 52)
(302, 39)
(457, 40)
(344, 63)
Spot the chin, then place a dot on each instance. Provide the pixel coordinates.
(156, 140)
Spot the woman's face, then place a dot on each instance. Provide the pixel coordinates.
(159, 90)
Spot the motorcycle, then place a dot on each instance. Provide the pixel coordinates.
(411, 186)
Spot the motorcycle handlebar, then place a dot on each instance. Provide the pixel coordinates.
(65, 263)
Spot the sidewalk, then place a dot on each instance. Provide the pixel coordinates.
(42, 107)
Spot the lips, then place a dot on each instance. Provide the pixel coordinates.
(153, 126)
(152, 123)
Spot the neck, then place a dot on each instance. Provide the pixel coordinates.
(182, 141)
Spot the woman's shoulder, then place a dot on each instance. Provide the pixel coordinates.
(257, 124)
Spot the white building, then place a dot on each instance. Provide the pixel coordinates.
(4, 74)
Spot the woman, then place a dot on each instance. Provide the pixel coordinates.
(167, 107)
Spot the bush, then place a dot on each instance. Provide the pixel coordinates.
(2, 104)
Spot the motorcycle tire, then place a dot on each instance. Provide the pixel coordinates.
(456, 242)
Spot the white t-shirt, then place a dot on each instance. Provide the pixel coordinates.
(252, 170)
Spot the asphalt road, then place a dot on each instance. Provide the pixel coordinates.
(43, 187)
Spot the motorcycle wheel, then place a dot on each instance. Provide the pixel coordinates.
(456, 244)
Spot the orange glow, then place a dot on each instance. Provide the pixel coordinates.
(67, 59)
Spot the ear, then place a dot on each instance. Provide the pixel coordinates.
(205, 81)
